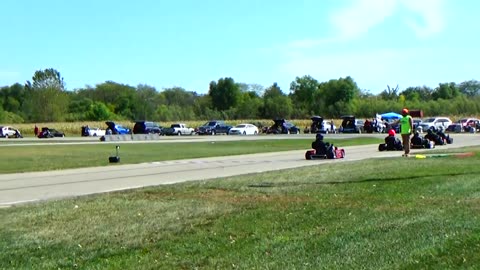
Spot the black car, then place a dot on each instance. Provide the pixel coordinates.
(351, 125)
(147, 127)
(50, 133)
(214, 127)
(282, 126)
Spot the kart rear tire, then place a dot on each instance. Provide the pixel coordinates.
(308, 155)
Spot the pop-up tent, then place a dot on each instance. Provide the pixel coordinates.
(391, 115)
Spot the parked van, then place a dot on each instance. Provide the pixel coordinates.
(147, 127)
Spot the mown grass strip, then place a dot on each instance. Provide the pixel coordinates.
(56, 157)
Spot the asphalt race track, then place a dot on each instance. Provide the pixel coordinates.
(37, 186)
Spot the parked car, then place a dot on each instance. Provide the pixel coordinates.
(116, 128)
(244, 129)
(435, 123)
(50, 133)
(92, 132)
(319, 125)
(464, 125)
(179, 129)
(214, 127)
(350, 124)
(147, 127)
(9, 132)
(282, 126)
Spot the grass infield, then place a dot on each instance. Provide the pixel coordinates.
(23, 158)
(392, 213)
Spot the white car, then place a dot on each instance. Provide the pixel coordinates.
(244, 129)
(9, 132)
(94, 132)
(435, 122)
(328, 125)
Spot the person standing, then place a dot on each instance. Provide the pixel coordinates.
(35, 130)
(406, 129)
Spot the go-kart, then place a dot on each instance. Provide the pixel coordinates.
(386, 147)
(335, 154)
(391, 143)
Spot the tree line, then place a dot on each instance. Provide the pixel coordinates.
(46, 99)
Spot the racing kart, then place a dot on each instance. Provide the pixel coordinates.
(336, 154)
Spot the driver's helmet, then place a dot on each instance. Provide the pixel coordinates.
(391, 132)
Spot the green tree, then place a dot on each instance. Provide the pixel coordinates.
(302, 93)
(446, 91)
(47, 78)
(47, 100)
(470, 88)
(99, 112)
(389, 93)
(119, 98)
(78, 108)
(336, 97)
(13, 98)
(417, 93)
(276, 104)
(249, 106)
(146, 101)
(179, 96)
(224, 94)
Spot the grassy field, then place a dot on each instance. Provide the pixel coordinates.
(62, 156)
(393, 213)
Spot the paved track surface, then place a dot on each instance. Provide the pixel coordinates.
(37, 186)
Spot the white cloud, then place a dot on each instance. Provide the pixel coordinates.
(357, 19)
(372, 67)
(432, 14)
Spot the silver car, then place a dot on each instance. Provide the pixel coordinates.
(436, 123)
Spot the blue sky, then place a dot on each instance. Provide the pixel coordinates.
(189, 43)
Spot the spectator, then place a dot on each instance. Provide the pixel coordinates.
(406, 130)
